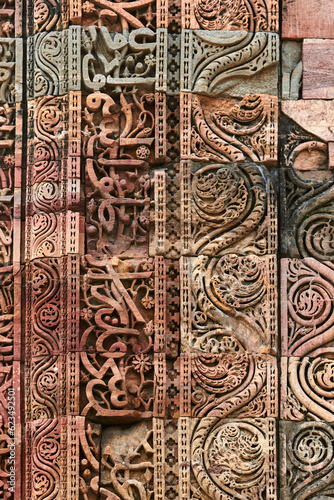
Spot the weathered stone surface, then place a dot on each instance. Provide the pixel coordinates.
(229, 63)
(228, 304)
(229, 130)
(222, 15)
(208, 445)
(292, 70)
(318, 72)
(146, 183)
(128, 463)
(312, 115)
(307, 460)
(307, 19)
(306, 206)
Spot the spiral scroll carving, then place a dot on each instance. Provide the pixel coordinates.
(310, 311)
(310, 464)
(230, 15)
(232, 292)
(229, 459)
(230, 204)
(228, 384)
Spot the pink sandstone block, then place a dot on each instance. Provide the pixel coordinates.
(307, 19)
(318, 69)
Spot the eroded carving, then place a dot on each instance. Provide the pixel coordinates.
(118, 17)
(225, 14)
(229, 130)
(228, 304)
(226, 208)
(127, 465)
(225, 63)
(117, 355)
(217, 445)
(307, 193)
(118, 61)
(307, 467)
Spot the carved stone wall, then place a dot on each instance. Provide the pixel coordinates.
(166, 250)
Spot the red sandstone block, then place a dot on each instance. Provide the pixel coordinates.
(307, 19)
(318, 69)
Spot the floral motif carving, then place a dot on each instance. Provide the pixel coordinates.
(224, 385)
(244, 15)
(7, 376)
(50, 283)
(228, 131)
(117, 358)
(308, 463)
(217, 445)
(226, 208)
(307, 312)
(233, 304)
(119, 16)
(51, 443)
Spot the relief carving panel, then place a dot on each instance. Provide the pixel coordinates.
(228, 304)
(120, 373)
(245, 15)
(228, 385)
(229, 63)
(308, 462)
(229, 130)
(227, 208)
(307, 196)
(212, 447)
